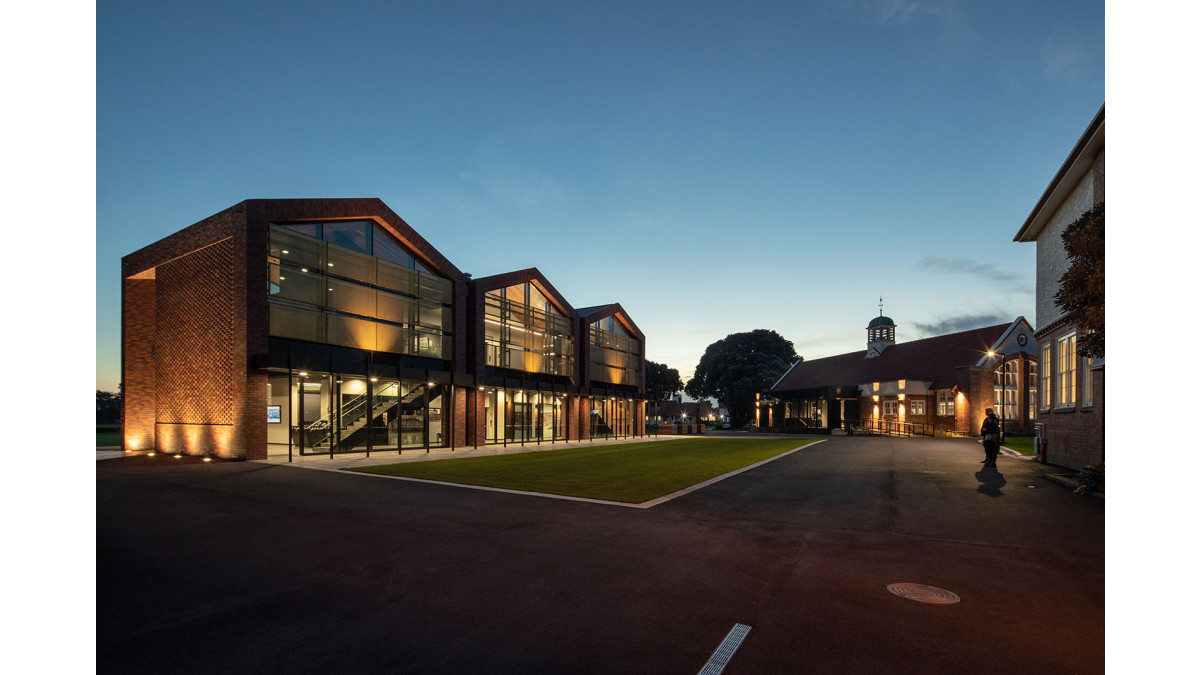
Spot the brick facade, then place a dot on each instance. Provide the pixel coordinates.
(1073, 431)
(195, 323)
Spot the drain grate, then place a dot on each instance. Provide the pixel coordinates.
(923, 593)
(720, 658)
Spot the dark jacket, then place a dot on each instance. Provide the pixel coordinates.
(991, 425)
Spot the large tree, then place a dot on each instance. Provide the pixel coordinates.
(661, 382)
(1081, 288)
(108, 407)
(736, 368)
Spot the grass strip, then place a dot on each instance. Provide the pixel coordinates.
(1021, 444)
(630, 473)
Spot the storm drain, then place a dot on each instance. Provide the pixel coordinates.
(923, 593)
(720, 658)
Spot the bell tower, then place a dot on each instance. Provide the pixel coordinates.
(881, 333)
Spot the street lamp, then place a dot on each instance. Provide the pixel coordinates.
(1003, 389)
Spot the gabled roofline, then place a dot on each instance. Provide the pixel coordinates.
(353, 208)
(531, 274)
(1068, 175)
(785, 373)
(995, 346)
(600, 311)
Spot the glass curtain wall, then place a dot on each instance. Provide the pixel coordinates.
(350, 283)
(319, 413)
(524, 331)
(524, 416)
(613, 417)
(616, 357)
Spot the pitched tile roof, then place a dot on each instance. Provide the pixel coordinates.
(934, 359)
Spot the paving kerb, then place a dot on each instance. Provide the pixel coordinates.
(346, 460)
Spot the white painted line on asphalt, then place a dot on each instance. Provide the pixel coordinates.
(643, 505)
(698, 486)
(720, 658)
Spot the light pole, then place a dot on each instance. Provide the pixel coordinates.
(1003, 389)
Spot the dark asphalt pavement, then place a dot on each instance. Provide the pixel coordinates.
(250, 567)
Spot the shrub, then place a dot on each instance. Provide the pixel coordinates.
(1091, 479)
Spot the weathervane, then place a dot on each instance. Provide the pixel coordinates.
(881, 305)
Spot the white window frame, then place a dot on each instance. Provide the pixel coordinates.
(1066, 367)
(1031, 375)
(1088, 381)
(945, 403)
(1046, 391)
(916, 407)
(891, 408)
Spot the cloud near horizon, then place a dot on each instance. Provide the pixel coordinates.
(957, 324)
(967, 267)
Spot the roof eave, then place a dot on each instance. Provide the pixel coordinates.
(1068, 175)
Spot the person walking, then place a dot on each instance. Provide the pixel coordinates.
(990, 431)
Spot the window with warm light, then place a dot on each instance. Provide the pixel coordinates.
(350, 283)
(615, 355)
(891, 408)
(945, 403)
(916, 407)
(524, 331)
(1086, 377)
(1046, 389)
(1031, 379)
(1006, 394)
(1066, 372)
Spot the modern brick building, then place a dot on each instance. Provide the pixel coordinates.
(936, 385)
(330, 325)
(1071, 416)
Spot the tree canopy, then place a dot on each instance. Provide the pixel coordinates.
(661, 382)
(108, 407)
(1081, 288)
(736, 368)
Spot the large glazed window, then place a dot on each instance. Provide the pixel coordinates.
(350, 283)
(616, 356)
(524, 331)
(1066, 372)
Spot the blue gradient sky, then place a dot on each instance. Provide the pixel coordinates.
(714, 168)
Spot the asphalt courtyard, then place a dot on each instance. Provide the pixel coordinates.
(258, 567)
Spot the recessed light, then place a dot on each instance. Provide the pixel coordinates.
(285, 252)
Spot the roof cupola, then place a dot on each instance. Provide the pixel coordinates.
(881, 333)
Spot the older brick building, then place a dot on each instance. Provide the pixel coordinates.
(1071, 418)
(330, 325)
(935, 385)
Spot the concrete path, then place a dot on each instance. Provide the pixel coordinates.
(225, 567)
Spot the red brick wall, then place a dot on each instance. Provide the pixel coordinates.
(459, 435)
(194, 368)
(137, 363)
(1074, 436)
(978, 388)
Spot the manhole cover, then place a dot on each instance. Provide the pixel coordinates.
(923, 593)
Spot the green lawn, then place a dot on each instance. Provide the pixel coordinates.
(1022, 444)
(632, 473)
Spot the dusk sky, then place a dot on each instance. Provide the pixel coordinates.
(713, 167)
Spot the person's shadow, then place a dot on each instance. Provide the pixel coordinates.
(990, 482)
